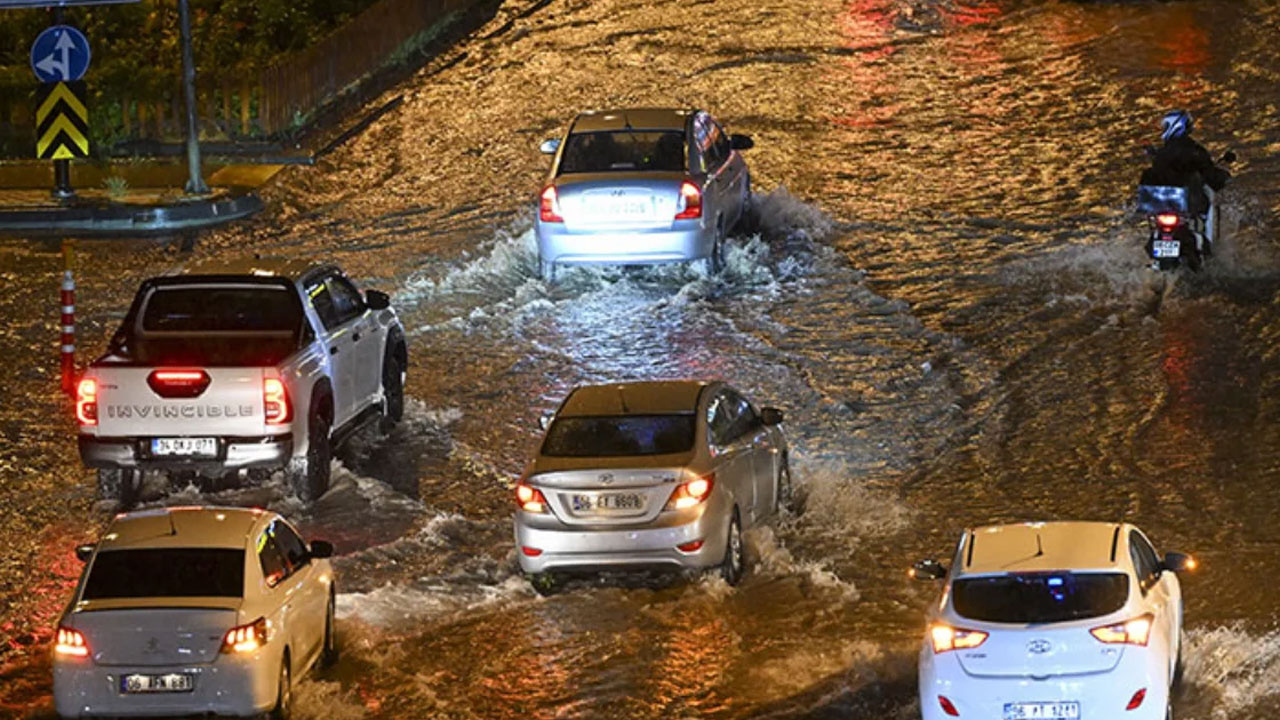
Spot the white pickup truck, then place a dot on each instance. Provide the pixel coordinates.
(244, 367)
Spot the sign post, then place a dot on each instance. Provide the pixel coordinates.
(195, 180)
(59, 57)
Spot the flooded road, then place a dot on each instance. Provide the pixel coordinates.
(946, 294)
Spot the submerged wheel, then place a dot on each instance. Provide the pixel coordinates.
(284, 692)
(734, 564)
(546, 271)
(309, 475)
(393, 375)
(121, 485)
(715, 261)
(786, 493)
(329, 655)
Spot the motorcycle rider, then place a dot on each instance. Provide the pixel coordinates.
(1183, 162)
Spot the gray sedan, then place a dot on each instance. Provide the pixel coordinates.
(641, 186)
(650, 475)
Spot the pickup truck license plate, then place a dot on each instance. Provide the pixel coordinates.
(612, 502)
(189, 447)
(170, 682)
(1166, 248)
(1042, 711)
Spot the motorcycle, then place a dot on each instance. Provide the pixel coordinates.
(1183, 223)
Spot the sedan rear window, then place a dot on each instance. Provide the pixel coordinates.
(1032, 598)
(619, 436)
(221, 309)
(166, 572)
(622, 151)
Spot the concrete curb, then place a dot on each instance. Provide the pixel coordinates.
(128, 220)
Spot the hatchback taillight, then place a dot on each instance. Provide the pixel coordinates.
(529, 498)
(689, 494)
(1131, 632)
(689, 204)
(275, 401)
(246, 638)
(946, 638)
(87, 401)
(549, 205)
(71, 643)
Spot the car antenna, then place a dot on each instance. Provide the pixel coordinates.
(1039, 547)
(172, 530)
(622, 399)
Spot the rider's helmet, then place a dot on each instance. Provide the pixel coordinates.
(1174, 124)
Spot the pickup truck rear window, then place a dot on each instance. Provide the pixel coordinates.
(623, 151)
(214, 309)
(1030, 598)
(622, 435)
(166, 572)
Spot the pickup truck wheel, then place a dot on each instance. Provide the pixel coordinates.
(309, 475)
(392, 390)
(120, 485)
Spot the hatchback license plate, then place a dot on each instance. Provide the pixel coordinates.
(1042, 711)
(193, 447)
(610, 502)
(170, 682)
(1166, 248)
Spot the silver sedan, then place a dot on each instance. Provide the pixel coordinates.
(641, 186)
(650, 475)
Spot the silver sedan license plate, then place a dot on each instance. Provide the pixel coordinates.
(190, 447)
(1042, 711)
(607, 503)
(169, 682)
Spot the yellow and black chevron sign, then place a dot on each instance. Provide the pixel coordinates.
(62, 121)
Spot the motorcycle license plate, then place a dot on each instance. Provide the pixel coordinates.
(1166, 249)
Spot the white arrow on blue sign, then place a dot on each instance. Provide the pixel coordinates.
(60, 54)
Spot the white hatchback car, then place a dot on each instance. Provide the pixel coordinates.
(194, 610)
(1053, 621)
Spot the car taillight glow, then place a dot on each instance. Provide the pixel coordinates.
(1167, 221)
(693, 546)
(946, 638)
(178, 383)
(246, 638)
(1136, 701)
(275, 401)
(689, 204)
(530, 499)
(1130, 632)
(70, 642)
(87, 402)
(549, 207)
(530, 551)
(689, 494)
(947, 706)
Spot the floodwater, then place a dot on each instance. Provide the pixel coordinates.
(946, 293)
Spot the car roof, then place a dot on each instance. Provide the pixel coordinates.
(185, 527)
(272, 266)
(653, 397)
(635, 118)
(1042, 547)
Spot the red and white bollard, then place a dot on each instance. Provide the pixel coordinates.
(68, 319)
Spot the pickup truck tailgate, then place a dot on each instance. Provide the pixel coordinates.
(133, 403)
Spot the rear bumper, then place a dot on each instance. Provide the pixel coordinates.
(583, 549)
(1102, 695)
(234, 453)
(229, 687)
(622, 247)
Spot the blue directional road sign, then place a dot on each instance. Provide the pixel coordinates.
(60, 54)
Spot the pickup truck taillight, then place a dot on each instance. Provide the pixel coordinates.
(275, 401)
(178, 383)
(87, 402)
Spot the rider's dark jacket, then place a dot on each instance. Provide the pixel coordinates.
(1180, 161)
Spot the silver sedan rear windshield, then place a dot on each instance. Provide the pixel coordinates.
(1031, 598)
(166, 572)
(624, 151)
(616, 436)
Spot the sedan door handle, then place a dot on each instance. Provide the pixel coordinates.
(333, 350)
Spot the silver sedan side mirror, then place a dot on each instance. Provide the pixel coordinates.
(928, 570)
(549, 147)
(544, 420)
